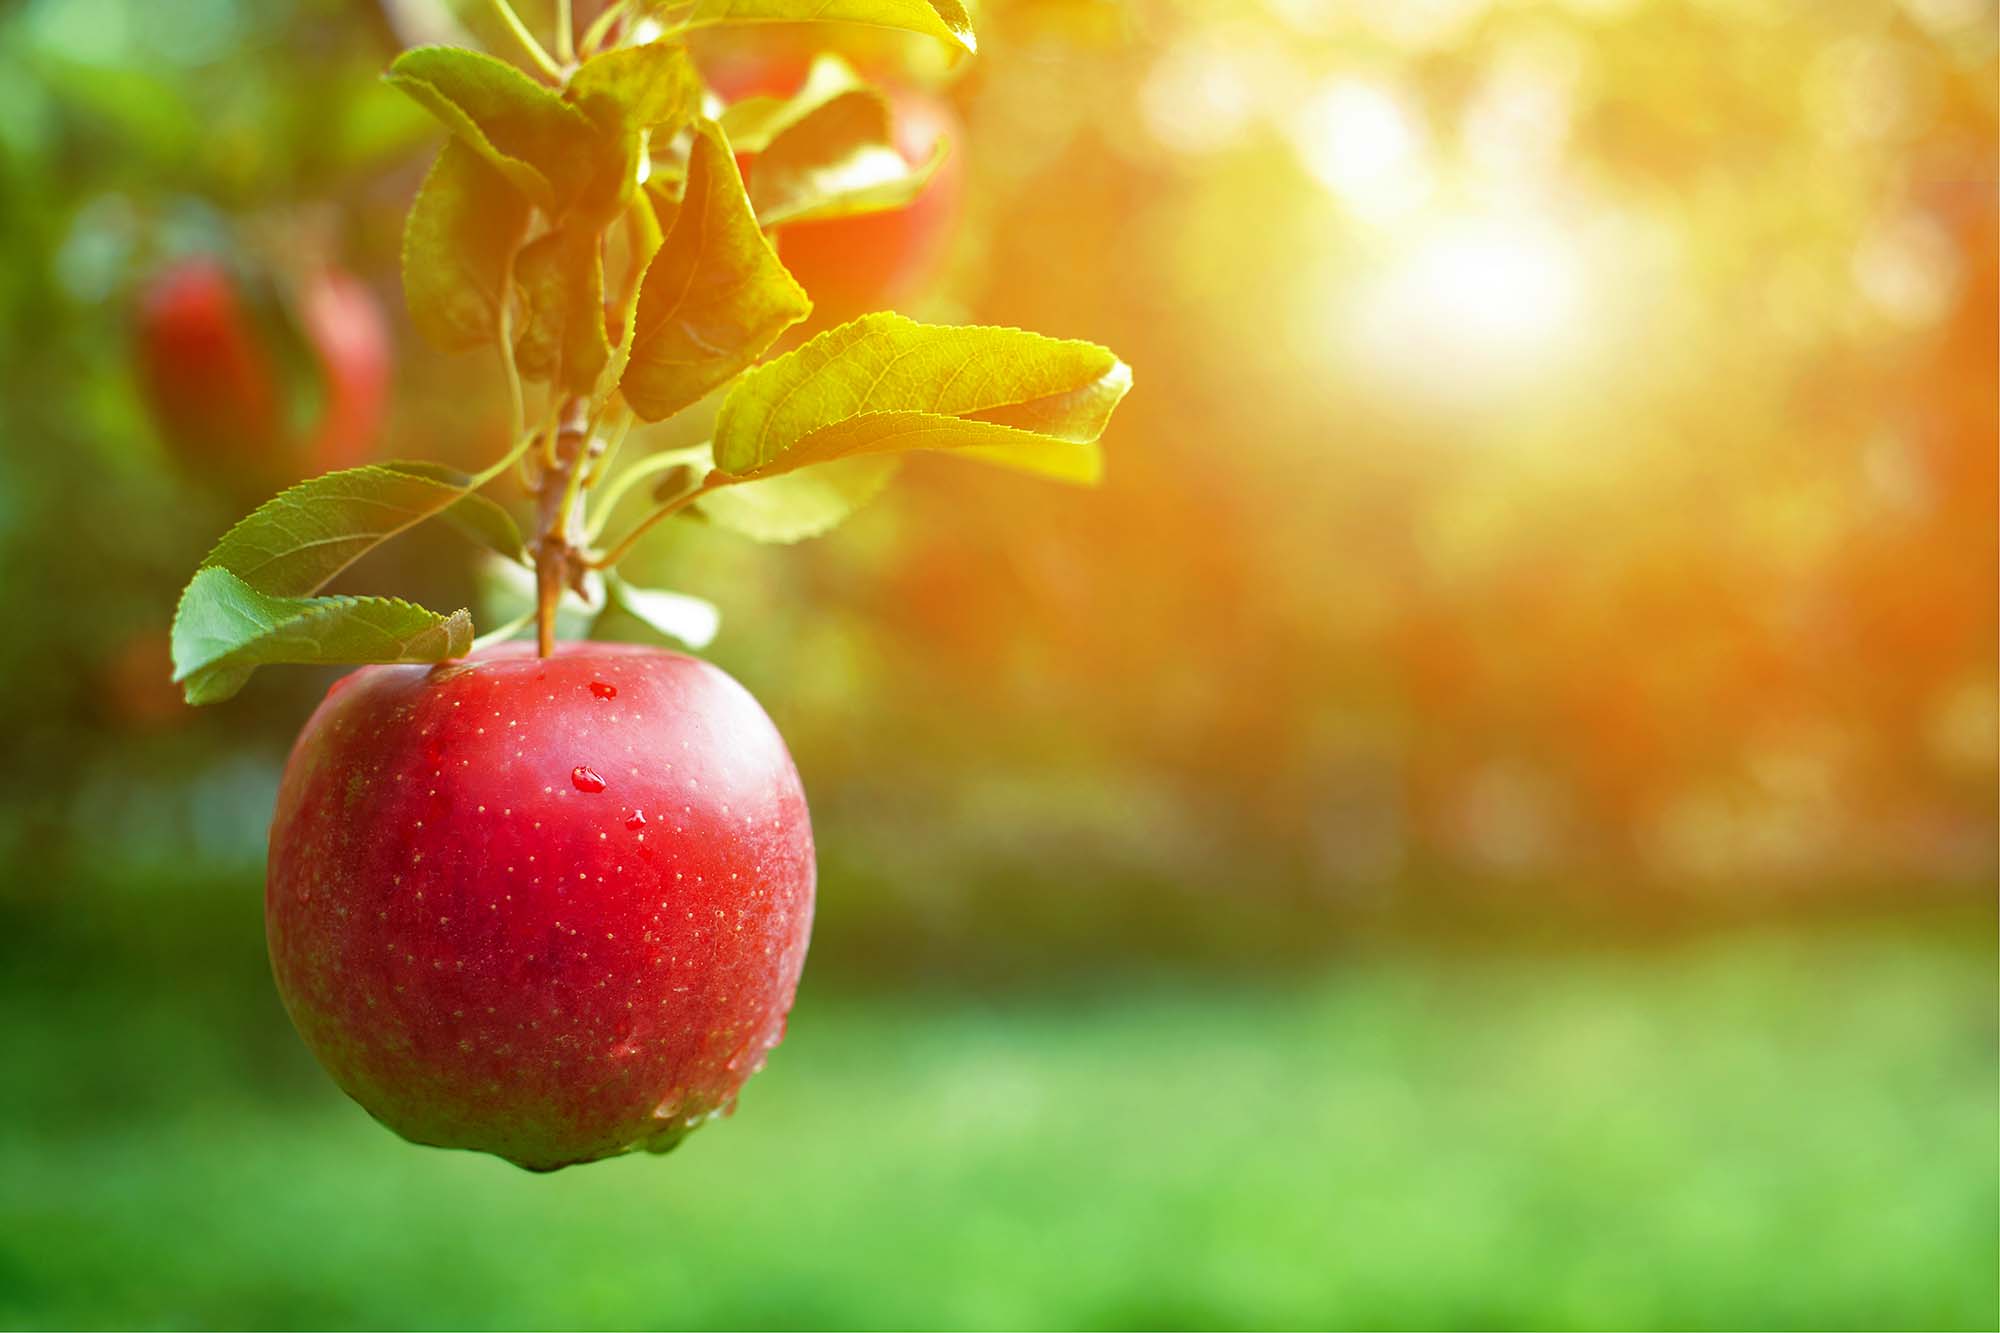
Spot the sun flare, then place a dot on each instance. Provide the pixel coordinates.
(1473, 302)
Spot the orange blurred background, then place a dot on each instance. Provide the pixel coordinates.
(1562, 468)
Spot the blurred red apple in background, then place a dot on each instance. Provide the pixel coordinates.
(253, 391)
(549, 908)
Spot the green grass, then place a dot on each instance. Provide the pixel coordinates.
(1770, 1130)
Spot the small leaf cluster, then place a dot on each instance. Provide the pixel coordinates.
(586, 221)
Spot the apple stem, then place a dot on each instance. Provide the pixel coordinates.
(548, 592)
(558, 525)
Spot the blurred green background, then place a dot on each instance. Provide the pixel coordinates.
(1487, 818)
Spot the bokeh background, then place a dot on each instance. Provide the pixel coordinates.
(1486, 818)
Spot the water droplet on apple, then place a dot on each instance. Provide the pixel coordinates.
(585, 779)
(636, 820)
(603, 691)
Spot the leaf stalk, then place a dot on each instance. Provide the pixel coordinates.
(531, 48)
(565, 33)
(620, 486)
(713, 481)
(601, 26)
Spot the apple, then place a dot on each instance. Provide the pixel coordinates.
(553, 909)
(229, 402)
(873, 261)
(346, 327)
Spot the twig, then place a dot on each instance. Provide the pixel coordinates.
(557, 555)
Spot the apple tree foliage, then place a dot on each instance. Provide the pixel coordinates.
(586, 220)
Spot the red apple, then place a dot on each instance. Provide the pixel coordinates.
(549, 908)
(221, 391)
(850, 266)
(345, 325)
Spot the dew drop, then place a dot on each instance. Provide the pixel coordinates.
(585, 780)
(602, 690)
(637, 819)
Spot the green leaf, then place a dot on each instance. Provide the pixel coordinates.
(690, 620)
(460, 237)
(294, 542)
(475, 517)
(224, 629)
(481, 520)
(638, 87)
(831, 152)
(793, 506)
(714, 297)
(837, 164)
(546, 148)
(666, 174)
(629, 248)
(631, 93)
(753, 122)
(946, 20)
(886, 384)
(563, 338)
(658, 204)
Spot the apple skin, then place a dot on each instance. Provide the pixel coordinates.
(216, 390)
(553, 909)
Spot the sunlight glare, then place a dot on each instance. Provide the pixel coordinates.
(1364, 144)
(1474, 303)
